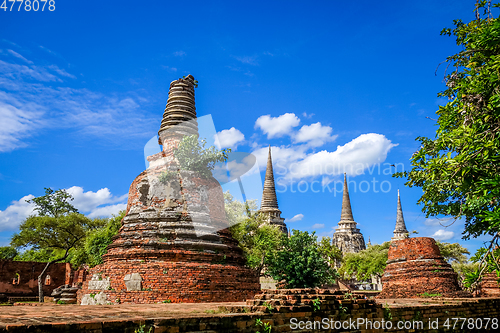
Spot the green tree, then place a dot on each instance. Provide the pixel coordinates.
(299, 262)
(7, 253)
(54, 203)
(65, 232)
(255, 237)
(193, 156)
(453, 252)
(237, 211)
(329, 252)
(96, 242)
(459, 170)
(366, 263)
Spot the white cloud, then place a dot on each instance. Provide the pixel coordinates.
(18, 121)
(353, 158)
(18, 211)
(90, 201)
(17, 55)
(108, 211)
(28, 104)
(228, 138)
(442, 234)
(307, 115)
(316, 134)
(438, 221)
(297, 217)
(282, 157)
(96, 204)
(277, 126)
(318, 226)
(249, 60)
(179, 53)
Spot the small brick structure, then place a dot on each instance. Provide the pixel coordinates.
(415, 267)
(174, 245)
(489, 286)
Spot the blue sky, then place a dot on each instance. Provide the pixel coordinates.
(327, 84)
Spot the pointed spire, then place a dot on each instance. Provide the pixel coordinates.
(400, 231)
(269, 195)
(346, 214)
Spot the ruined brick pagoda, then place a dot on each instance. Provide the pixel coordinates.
(269, 206)
(415, 267)
(347, 236)
(173, 244)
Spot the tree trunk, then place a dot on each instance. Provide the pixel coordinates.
(40, 280)
(40, 277)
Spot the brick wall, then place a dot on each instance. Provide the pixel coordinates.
(26, 272)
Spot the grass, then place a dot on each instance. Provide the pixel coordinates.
(426, 294)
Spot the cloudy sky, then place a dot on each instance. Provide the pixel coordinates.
(332, 86)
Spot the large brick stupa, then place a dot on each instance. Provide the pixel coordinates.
(415, 268)
(174, 245)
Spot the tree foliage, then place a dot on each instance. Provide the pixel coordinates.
(54, 203)
(328, 251)
(453, 252)
(96, 242)
(299, 262)
(193, 156)
(366, 263)
(255, 237)
(7, 253)
(459, 170)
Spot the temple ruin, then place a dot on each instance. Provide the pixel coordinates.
(347, 237)
(173, 245)
(415, 268)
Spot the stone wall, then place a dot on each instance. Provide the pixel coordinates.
(21, 277)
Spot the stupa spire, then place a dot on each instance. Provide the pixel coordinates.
(269, 205)
(269, 199)
(347, 236)
(400, 232)
(346, 214)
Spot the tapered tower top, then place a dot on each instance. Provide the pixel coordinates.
(179, 118)
(346, 214)
(400, 231)
(269, 205)
(269, 199)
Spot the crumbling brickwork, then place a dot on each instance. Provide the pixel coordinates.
(489, 286)
(414, 267)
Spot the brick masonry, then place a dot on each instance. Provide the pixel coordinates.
(414, 267)
(489, 286)
(20, 278)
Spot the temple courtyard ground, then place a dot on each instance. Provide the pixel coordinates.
(233, 316)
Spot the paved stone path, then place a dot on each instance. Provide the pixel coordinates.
(53, 313)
